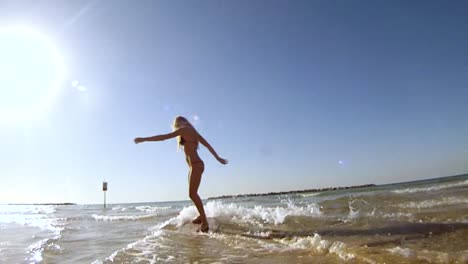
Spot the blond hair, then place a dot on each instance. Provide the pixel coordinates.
(180, 122)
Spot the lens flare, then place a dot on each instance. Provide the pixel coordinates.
(31, 71)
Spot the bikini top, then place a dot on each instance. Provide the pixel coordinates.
(183, 141)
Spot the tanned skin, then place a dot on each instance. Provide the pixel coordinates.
(196, 165)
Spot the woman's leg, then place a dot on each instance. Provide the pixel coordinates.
(194, 182)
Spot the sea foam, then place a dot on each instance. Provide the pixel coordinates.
(251, 215)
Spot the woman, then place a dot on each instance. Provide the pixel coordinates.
(188, 137)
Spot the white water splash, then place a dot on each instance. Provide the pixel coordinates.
(256, 215)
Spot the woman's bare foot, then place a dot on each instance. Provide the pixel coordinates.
(197, 220)
(203, 228)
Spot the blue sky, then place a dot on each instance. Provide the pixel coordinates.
(296, 94)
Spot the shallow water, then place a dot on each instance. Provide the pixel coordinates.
(418, 222)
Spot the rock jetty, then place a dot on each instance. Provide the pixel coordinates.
(292, 192)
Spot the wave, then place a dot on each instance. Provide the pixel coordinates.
(263, 240)
(154, 248)
(319, 245)
(143, 246)
(310, 194)
(119, 208)
(122, 217)
(406, 252)
(39, 221)
(151, 209)
(41, 217)
(431, 188)
(27, 209)
(257, 215)
(33, 216)
(433, 203)
(37, 249)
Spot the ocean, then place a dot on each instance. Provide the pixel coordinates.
(415, 222)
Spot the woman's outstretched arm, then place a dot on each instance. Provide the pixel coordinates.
(158, 137)
(211, 149)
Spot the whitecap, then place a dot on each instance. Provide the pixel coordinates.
(151, 209)
(431, 188)
(433, 203)
(121, 217)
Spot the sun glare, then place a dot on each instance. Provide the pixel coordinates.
(31, 70)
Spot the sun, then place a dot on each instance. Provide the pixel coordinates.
(31, 70)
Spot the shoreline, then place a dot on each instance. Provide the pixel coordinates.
(326, 189)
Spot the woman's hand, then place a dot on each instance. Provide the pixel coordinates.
(138, 140)
(222, 161)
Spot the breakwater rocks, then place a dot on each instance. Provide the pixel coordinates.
(292, 192)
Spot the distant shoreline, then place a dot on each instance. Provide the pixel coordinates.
(42, 204)
(292, 192)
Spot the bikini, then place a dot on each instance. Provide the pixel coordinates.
(183, 141)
